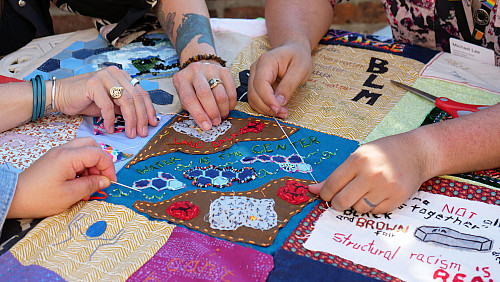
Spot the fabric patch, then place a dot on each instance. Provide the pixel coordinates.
(189, 127)
(189, 256)
(13, 270)
(349, 91)
(232, 212)
(161, 97)
(423, 210)
(219, 177)
(163, 181)
(292, 267)
(204, 198)
(291, 164)
(104, 242)
(99, 125)
(183, 210)
(116, 155)
(294, 192)
(23, 145)
(168, 140)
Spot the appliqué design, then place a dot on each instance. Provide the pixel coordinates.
(293, 163)
(162, 182)
(219, 177)
(189, 127)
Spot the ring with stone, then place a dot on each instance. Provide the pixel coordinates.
(134, 81)
(214, 82)
(116, 92)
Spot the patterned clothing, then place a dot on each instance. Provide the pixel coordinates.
(431, 23)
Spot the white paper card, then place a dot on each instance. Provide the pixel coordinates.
(470, 51)
(448, 67)
(429, 237)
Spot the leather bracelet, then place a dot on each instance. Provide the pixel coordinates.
(203, 57)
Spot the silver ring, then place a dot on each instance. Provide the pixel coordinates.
(134, 81)
(214, 82)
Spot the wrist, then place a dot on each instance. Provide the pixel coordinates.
(210, 58)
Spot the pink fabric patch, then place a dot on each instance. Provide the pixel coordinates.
(190, 255)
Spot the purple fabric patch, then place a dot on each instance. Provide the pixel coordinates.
(189, 255)
(13, 270)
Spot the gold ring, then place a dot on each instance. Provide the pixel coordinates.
(134, 81)
(116, 92)
(214, 82)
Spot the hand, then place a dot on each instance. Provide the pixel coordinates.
(62, 177)
(207, 106)
(378, 177)
(89, 94)
(275, 76)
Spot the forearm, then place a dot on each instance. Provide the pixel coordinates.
(187, 25)
(464, 144)
(17, 103)
(297, 21)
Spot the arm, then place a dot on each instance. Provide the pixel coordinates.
(295, 27)
(187, 25)
(381, 175)
(60, 178)
(8, 180)
(83, 94)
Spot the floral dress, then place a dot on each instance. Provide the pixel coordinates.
(431, 23)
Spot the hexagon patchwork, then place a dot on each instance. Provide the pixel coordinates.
(219, 177)
(163, 181)
(293, 163)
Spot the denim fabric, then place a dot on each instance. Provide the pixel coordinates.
(8, 181)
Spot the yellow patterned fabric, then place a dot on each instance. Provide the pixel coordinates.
(325, 102)
(93, 241)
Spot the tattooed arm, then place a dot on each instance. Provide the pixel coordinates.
(187, 25)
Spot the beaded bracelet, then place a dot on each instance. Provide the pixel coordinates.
(38, 97)
(203, 57)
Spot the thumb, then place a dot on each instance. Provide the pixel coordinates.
(316, 188)
(287, 86)
(84, 186)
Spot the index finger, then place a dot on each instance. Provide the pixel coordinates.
(260, 85)
(339, 178)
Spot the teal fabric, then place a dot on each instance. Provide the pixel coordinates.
(322, 151)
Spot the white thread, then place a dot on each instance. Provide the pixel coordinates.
(310, 172)
(114, 182)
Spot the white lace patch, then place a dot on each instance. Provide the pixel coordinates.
(231, 212)
(190, 128)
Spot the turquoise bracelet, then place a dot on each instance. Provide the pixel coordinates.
(38, 97)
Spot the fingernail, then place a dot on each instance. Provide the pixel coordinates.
(283, 116)
(206, 125)
(103, 183)
(275, 109)
(281, 99)
(216, 121)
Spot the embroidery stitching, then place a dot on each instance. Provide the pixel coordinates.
(219, 177)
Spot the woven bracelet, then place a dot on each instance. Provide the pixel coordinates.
(203, 57)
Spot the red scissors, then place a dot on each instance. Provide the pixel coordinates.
(455, 109)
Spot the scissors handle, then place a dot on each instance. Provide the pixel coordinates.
(456, 109)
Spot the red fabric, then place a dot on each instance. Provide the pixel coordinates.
(183, 210)
(6, 79)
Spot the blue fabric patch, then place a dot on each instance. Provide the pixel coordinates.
(322, 151)
(13, 270)
(49, 65)
(161, 97)
(292, 267)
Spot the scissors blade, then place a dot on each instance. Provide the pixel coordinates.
(416, 91)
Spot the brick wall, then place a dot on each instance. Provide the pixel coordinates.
(365, 16)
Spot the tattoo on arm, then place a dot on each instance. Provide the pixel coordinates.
(193, 25)
(167, 22)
